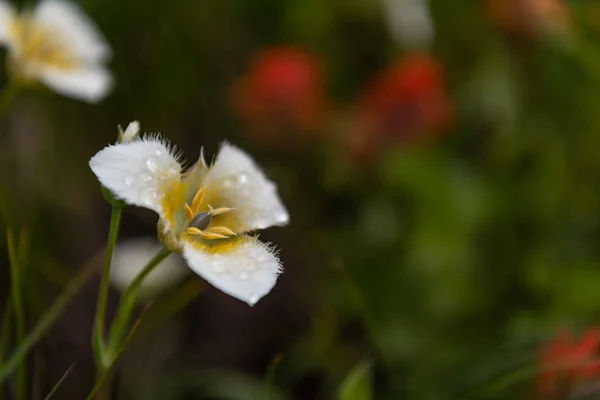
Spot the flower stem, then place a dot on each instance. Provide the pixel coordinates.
(158, 258)
(8, 94)
(103, 291)
(127, 304)
(19, 312)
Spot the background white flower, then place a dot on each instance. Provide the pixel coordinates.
(58, 45)
(131, 255)
(409, 22)
(207, 213)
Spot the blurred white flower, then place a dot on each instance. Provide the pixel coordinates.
(132, 255)
(207, 213)
(409, 22)
(56, 44)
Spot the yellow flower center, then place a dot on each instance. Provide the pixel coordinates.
(36, 45)
(199, 217)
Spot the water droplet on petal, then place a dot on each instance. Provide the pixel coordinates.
(217, 264)
(149, 197)
(253, 299)
(243, 275)
(158, 152)
(229, 182)
(146, 178)
(151, 164)
(173, 170)
(128, 180)
(243, 179)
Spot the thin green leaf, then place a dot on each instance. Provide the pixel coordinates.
(357, 385)
(5, 338)
(169, 305)
(19, 312)
(55, 388)
(104, 373)
(270, 379)
(48, 319)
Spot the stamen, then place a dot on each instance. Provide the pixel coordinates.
(189, 214)
(198, 200)
(194, 231)
(221, 230)
(209, 235)
(218, 211)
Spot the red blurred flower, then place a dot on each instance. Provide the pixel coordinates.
(566, 362)
(407, 102)
(281, 98)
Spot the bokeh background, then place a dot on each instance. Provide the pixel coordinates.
(440, 162)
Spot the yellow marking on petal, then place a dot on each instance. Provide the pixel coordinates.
(218, 211)
(222, 246)
(221, 230)
(173, 199)
(194, 231)
(198, 200)
(189, 214)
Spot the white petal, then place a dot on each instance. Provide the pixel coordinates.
(73, 28)
(247, 272)
(132, 255)
(243, 186)
(87, 84)
(7, 16)
(137, 172)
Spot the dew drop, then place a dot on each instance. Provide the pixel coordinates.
(151, 164)
(217, 265)
(146, 178)
(149, 197)
(243, 275)
(243, 179)
(158, 152)
(229, 182)
(253, 299)
(128, 180)
(173, 170)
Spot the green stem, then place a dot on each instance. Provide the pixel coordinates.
(104, 284)
(19, 312)
(8, 94)
(127, 304)
(137, 281)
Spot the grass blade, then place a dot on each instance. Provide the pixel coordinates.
(105, 372)
(55, 388)
(19, 312)
(48, 318)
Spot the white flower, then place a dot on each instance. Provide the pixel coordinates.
(207, 213)
(132, 255)
(56, 44)
(409, 22)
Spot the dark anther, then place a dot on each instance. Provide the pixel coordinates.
(200, 221)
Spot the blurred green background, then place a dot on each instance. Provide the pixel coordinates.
(439, 232)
